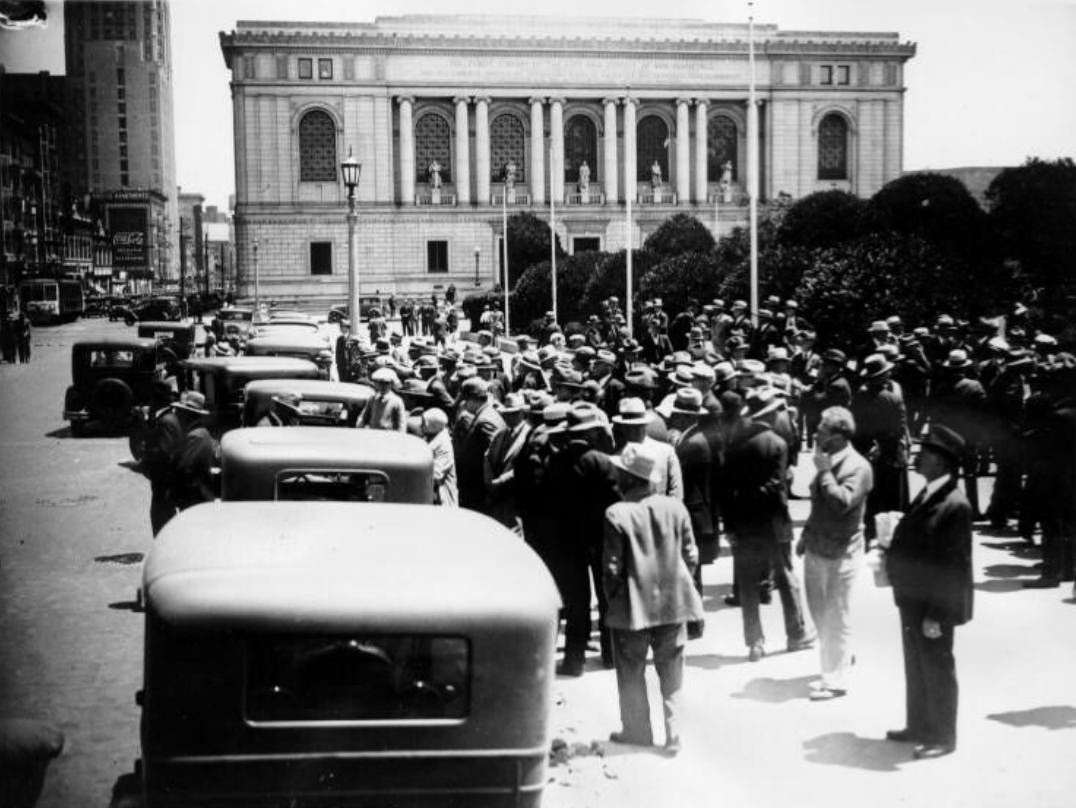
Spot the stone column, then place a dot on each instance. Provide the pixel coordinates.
(556, 150)
(481, 149)
(609, 169)
(630, 189)
(701, 155)
(462, 174)
(537, 173)
(407, 150)
(683, 151)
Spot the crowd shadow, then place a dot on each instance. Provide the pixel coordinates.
(776, 691)
(1007, 570)
(851, 751)
(1020, 548)
(1000, 587)
(711, 662)
(1054, 717)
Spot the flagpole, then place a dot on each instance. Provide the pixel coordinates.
(752, 160)
(553, 247)
(504, 243)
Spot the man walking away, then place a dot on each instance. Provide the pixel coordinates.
(648, 555)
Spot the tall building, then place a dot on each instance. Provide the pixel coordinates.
(585, 113)
(119, 66)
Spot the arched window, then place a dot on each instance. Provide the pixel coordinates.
(506, 145)
(317, 147)
(433, 143)
(652, 143)
(833, 148)
(722, 147)
(580, 143)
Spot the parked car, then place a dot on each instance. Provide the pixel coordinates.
(324, 403)
(321, 463)
(344, 654)
(120, 308)
(177, 341)
(111, 380)
(222, 380)
(294, 343)
(339, 314)
(233, 321)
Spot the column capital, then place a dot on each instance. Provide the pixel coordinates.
(630, 99)
(682, 101)
(536, 99)
(405, 99)
(557, 99)
(483, 99)
(701, 102)
(611, 99)
(461, 99)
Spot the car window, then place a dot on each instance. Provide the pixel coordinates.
(111, 358)
(334, 486)
(362, 678)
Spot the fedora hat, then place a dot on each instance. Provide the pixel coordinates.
(688, 401)
(638, 460)
(582, 417)
(702, 372)
(879, 327)
(778, 354)
(751, 367)
(942, 439)
(876, 366)
(682, 375)
(191, 401)
(513, 403)
(641, 379)
(761, 401)
(555, 413)
(723, 372)
(632, 411)
(537, 401)
(735, 343)
(957, 360)
(474, 387)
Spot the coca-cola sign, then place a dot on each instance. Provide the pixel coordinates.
(130, 238)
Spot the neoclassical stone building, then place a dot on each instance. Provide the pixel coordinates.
(438, 109)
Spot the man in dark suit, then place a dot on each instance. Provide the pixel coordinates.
(929, 565)
(474, 440)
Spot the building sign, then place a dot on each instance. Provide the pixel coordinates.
(130, 237)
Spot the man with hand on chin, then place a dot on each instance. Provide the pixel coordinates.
(929, 565)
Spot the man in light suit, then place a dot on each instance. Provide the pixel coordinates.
(648, 555)
(500, 461)
(833, 542)
(929, 565)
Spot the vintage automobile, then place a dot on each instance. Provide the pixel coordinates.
(223, 378)
(233, 321)
(344, 654)
(289, 314)
(111, 382)
(323, 403)
(177, 341)
(294, 343)
(339, 314)
(155, 308)
(321, 463)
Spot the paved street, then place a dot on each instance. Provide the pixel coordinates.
(72, 510)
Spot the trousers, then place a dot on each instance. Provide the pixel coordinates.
(931, 690)
(829, 585)
(750, 562)
(629, 653)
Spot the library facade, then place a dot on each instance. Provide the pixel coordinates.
(458, 121)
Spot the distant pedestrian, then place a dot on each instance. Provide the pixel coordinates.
(22, 336)
(8, 337)
(647, 560)
(435, 430)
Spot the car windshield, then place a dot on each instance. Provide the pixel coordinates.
(334, 486)
(111, 358)
(361, 678)
(225, 314)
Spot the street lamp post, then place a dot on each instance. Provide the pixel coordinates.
(504, 242)
(477, 254)
(257, 287)
(350, 170)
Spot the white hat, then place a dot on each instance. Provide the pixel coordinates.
(637, 459)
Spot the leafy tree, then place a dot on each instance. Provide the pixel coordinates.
(681, 278)
(610, 278)
(528, 243)
(679, 234)
(935, 207)
(823, 219)
(533, 293)
(780, 270)
(1033, 209)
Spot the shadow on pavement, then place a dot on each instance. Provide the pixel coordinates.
(62, 432)
(848, 749)
(1007, 570)
(609, 749)
(711, 662)
(776, 691)
(126, 606)
(1055, 717)
(1000, 587)
(131, 465)
(1020, 549)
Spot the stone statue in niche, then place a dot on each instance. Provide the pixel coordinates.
(655, 175)
(434, 173)
(510, 174)
(726, 182)
(584, 177)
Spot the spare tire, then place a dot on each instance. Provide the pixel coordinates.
(111, 401)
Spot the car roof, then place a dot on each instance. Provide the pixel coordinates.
(117, 343)
(316, 389)
(247, 363)
(307, 446)
(164, 325)
(289, 566)
(288, 339)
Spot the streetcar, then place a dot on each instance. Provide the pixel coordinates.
(50, 300)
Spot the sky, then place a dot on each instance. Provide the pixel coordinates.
(993, 81)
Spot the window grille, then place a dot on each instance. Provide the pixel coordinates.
(722, 146)
(506, 145)
(652, 144)
(317, 148)
(432, 144)
(580, 143)
(833, 148)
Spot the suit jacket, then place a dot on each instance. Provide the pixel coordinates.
(471, 447)
(929, 560)
(755, 504)
(499, 471)
(838, 499)
(648, 555)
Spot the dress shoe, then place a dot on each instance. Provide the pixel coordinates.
(901, 736)
(672, 746)
(802, 644)
(1042, 583)
(928, 751)
(630, 740)
(731, 600)
(826, 694)
(570, 668)
(756, 652)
